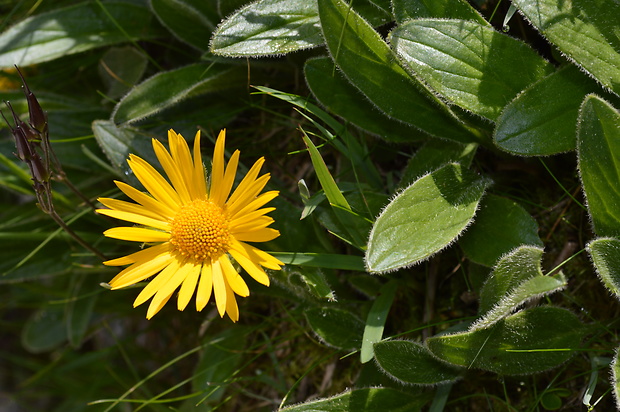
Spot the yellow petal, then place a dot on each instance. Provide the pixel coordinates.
(141, 270)
(131, 208)
(263, 235)
(257, 224)
(172, 171)
(204, 287)
(147, 201)
(255, 204)
(257, 255)
(143, 255)
(234, 279)
(229, 179)
(250, 217)
(189, 286)
(168, 288)
(137, 234)
(182, 158)
(231, 305)
(154, 182)
(219, 287)
(248, 180)
(245, 195)
(217, 167)
(253, 268)
(135, 218)
(156, 306)
(199, 181)
(157, 283)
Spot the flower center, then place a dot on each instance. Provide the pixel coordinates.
(200, 231)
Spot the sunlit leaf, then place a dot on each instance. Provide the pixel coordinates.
(605, 254)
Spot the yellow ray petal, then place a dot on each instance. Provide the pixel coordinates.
(233, 278)
(257, 224)
(137, 234)
(254, 204)
(247, 181)
(189, 286)
(135, 218)
(257, 255)
(253, 268)
(172, 171)
(182, 158)
(245, 195)
(199, 181)
(219, 287)
(229, 179)
(156, 306)
(217, 168)
(147, 201)
(154, 182)
(142, 256)
(168, 288)
(231, 305)
(250, 217)
(141, 270)
(157, 283)
(263, 235)
(131, 208)
(204, 287)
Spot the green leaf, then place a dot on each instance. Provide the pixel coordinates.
(79, 308)
(375, 321)
(166, 89)
(446, 9)
(336, 327)
(44, 331)
(121, 68)
(469, 63)
(605, 254)
(184, 19)
(411, 362)
(501, 225)
(267, 27)
(530, 341)
(371, 66)
(598, 153)
(424, 219)
(516, 279)
(364, 400)
(340, 97)
(585, 31)
(75, 29)
(615, 377)
(542, 119)
(322, 260)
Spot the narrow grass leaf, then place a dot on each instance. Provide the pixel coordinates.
(598, 153)
(375, 321)
(605, 254)
(424, 218)
(542, 119)
(585, 31)
(74, 29)
(166, 89)
(446, 9)
(369, 64)
(501, 225)
(469, 63)
(530, 341)
(322, 260)
(411, 362)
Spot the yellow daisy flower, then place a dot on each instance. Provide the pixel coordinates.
(193, 230)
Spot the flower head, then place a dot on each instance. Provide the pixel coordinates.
(193, 229)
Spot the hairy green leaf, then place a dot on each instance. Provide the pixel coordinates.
(424, 218)
(605, 254)
(411, 362)
(446, 9)
(75, 29)
(336, 327)
(184, 19)
(469, 63)
(585, 31)
(598, 152)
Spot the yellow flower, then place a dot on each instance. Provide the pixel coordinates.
(193, 230)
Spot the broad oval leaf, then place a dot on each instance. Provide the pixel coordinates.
(184, 20)
(542, 119)
(336, 327)
(530, 341)
(424, 218)
(516, 279)
(585, 31)
(605, 254)
(411, 362)
(371, 66)
(364, 400)
(268, 27)
(166, 89)
(446, 9)
(598, 153)
(501, 225)
(44, 331)
(469, 63)
(75, 29)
